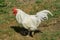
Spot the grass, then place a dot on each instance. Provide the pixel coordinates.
(39, 1)
(50, 36)
(7, 19)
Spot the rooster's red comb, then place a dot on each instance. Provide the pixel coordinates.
(14, 10)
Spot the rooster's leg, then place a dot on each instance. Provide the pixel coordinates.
(31, 33)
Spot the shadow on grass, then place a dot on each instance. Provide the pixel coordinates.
(23, 31)
(20, 30)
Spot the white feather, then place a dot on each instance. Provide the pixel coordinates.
(43, 14)
(31, 22)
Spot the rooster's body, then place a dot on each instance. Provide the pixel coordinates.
(31, 22)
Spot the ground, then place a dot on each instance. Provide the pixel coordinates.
(9, 28)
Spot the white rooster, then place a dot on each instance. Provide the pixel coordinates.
(30, 22)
